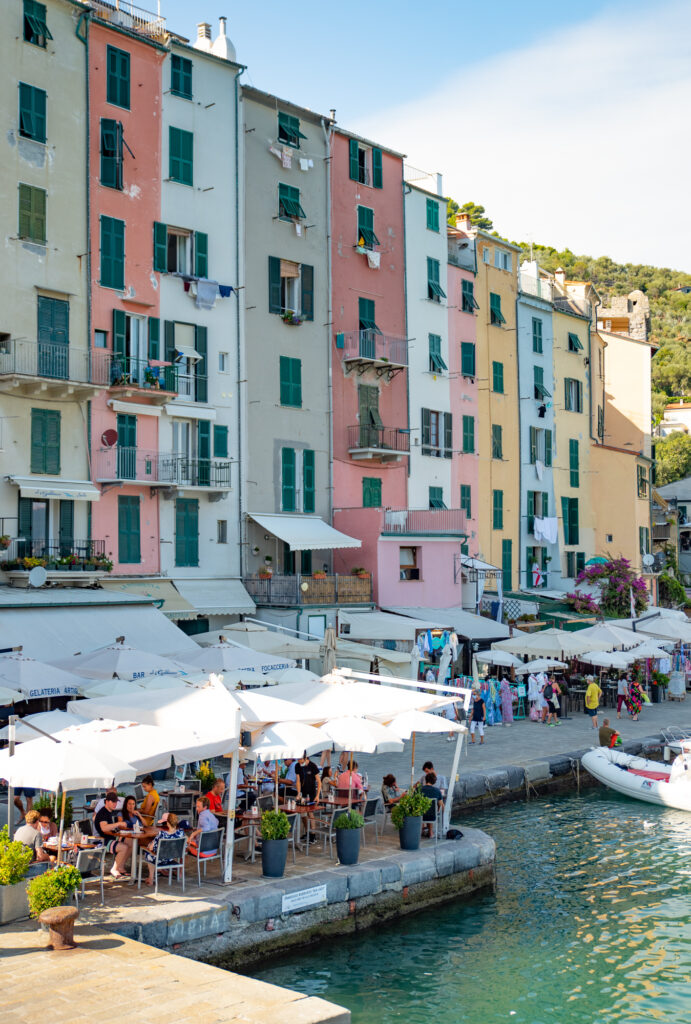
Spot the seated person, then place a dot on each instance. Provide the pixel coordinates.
(351, 779)
(169, 830)
(431, 790)
(108, 822)
(101, 802)
(246, 795)
(329, 785)
(215, 796)
(149, 804)
(30, 835)
(391, 792)
(129, 813)
(266, 774)
(206, 822)
(442, 781)
(605, 733)
(290, 788)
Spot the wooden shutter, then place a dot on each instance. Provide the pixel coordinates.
(545, 504)
(573, 463)
(448, 435)
(468, 359)
(307, 291)
(220, 441)
(129, 539)
(573, 521)
(169, 341)
(426, 431)
(45, 441)
(112, 252)
(377, 170)
(119, 340)
(308, 480)
(353, 162)
(274, 285)
(204, 452)
(371, 492)
(200, 381)
(187, 531)
(38, 444)
(506, 568)
(32, 213)
(154, 337)
(118, 77)
(290, 381)
(468, 434)
(160, 247)
(66, 527)
(32, 112)
(201, 254)
(497, 510)
(287, 479)
(24, 520)
(565, 519)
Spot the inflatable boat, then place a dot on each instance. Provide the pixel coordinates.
(653, 781)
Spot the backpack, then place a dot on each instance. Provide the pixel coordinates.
(548, 692)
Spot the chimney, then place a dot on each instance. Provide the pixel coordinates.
(560, 277)
(203, 40)
(463, 222)
(332, 113)
(222, 46)
(222, 25)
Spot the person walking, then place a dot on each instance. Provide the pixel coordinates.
(593, 696)
(634, 698)
(622, 690)
(478, 717)
(506, 702)
(551, 694)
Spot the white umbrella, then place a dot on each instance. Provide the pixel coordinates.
(44, 764)
(123, 661)
(362, 734)
(549, 643)
(409, 722)
(648, 649)
(259, 707)
(47, 721)
(224, 656)
(504, 658)
(606, 632)
(665, 628)
(148, 748)
(288, 739)
(609, 659)
(540, 665)
(338, 698)
(329, 649)
(231, 680)
(296, 675)
(9, 696)
(111, 687)
(37, 679)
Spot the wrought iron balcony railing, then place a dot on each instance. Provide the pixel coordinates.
(309, 590)
(28, 358)
(126, 371)
(432, 521)
(388, 439)
(369, 346)
(52, 549)
(165, 468)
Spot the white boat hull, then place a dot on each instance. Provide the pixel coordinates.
(603, 764)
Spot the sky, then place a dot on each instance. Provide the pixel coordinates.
(568, 122)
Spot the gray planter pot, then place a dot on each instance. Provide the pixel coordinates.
(409, 836)
(14, 903)
(274, 856)
(348, 845)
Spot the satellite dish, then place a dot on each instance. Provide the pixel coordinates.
(648, 560)
(109, 438)
(37, 576)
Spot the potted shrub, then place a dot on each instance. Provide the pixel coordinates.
(15, 859)
(289, 317)
(5, 541)
(348, 831)
(406, 816)
(658, 682)
(275, 830)
(47, 803)
(318, 575)
(206, 776)
(358, 570)
(52, 888)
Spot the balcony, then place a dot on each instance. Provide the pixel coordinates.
(662, 531)
(52, 370)
(140, 378)
(161, 469)
(128, 16)
(536, 286)
(295, 591)
(68, 562)
(378, 444)
(369, 350)
(424, 522)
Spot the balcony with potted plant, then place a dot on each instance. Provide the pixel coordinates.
(79, 563)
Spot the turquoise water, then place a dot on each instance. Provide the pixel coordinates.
(590, 924)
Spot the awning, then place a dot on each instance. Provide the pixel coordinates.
(466, 624)
(55, 487)
(162, 593)
(216, 596)
(384, 626)
(467, 562)
(186, 352)
(305, 533)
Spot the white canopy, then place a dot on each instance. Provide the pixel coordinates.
(216, 596)
(36, 678)
(148, 748)
(615, 636)
(504, 658)
(549, 643)
(408, 722)
(609, 659)
(223, 657)
(383, 625)
(305, 533)
(111, 687)
(257, 707)
(288, 739)
(466, 624)
(663, 626)
(44, 764)
(9, 696)
(648, 649)
(539, 665)
(324, 700)
(361, 734)
(121, 660)
(47, 721)
(55, 487)
(297, 675)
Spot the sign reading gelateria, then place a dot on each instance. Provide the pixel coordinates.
(53, 691)
(303, 898)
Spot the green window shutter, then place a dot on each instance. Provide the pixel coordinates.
(468, 301)
(537, 335)
(169, 341)
(181, 156)
(366, 316)
(468, 434)
(548, 447)
(601, 422)
(434, 288)
(36, 29)
(498, 378)
(580, 561)
(495, 314)
(448, 435)
(274, 284)
(54, 329)
(497, 510)
(220, 441)
(506, 568)
(573, 520)
(565, 520)
(377, 170)
(204, 452)
(573, 463)
(181, 77)
(66, 526)
(32, 112)
(187, 531)
(545, 504)
(497, 445)
(432, 215)
(467, 359)
(200, 371)
(466, 502)
(574, 343)
(24, 521)
(426, 435)
(154, 337)
(533, 445)
(371, 492)
(290, 374)
(353, 161)
(436, 363)
(307, 291)
(287, 479)
(201, 254)
(111, 153)
(38, 443)
(289, 130)
(129, 540)
(32, 214)
(289, 207)
(365, 228)
(118, 77)
(579, 396)
(308, 480)
(160, 247)
(112, 253)
(119, 340)
(530, 509)
(436, 497)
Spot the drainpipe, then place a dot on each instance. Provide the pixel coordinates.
(83, 20)
(238, 333)
(405, 324)
(328, 135)
(520, 434)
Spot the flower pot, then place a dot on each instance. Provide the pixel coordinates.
(13, 902)
(409, 835)
(348, 845)
(655, 693)
(274, 856)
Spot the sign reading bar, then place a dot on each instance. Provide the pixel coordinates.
(303, 898)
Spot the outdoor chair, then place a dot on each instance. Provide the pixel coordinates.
(372, 810)
(322, 828)
(209, 847)
(265, 803)
(138, 793)
(90, 864)
(293, 819)
(355, 794)
(181, 804)
(86, 826)
(172, 850)
(436, 821)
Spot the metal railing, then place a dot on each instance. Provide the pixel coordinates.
(54, 361)
(387, 438)
(370, 345)
(662, 531)
(463, 258)
(126, 463)
(52, 549)
(127, 15)
(537, 286)
(126, 371)
(425, 520)
(288, 590)
(186, 383)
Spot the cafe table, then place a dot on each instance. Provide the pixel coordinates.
(252, 820)
(147, 834)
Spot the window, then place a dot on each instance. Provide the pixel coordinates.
(366, 320)
(467, 359)
(371, 492)
(289, 203)
(181, 156)
(574, 343)
(466, 501)
(569, 513)
(535, 556)
(291, 287)
(32, 214)
(112, 253)
(600, 422)
(289, 130)
(224, 362)
(118, 77)
(294, 463)
(497, 510)
(573, 395)
(35, 26)
(181, 77)
(437, 433)
(498, 378)
(434, 290)
(506, 560)
(111, 153)
(100, 339)
(366, 237)
(32, 112)
(288, 479)
(178, 251)
(220, 441)
(221, 531)
(508, 261)
(360, 158)
(468, 435)
(498, 259)
(575, 563)
(468, 302)
(574, 475)
(497, 446)
(129, 542)
(436, 363)
(45, 441)
(540, 446)
(436, 497)
(371, 425)
(537, 335)
(642, 481)
(291, 381)
(487, 255)
(432, 215)
(539, 389)
(643, 540)
(187, 532)
(53, 337)
(495, 314)
(538, 505)
(409, 563)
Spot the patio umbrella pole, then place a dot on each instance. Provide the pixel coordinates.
(12, 720)
(62, 826)
(276, 777)
(448, 805)
(232, 797)
(350, 783)
(412, 763)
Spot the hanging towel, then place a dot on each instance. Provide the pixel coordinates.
(546, 529)
(207, 293)
(395, 519)
(305, 164)
(453, 640)
(225, 290)
(286, 158)
(298, 228)
(276, 151)
(539, 469)
(373, 259)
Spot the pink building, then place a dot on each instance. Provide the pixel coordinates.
(125, 197)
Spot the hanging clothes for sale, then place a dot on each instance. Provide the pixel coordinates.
(453, 640)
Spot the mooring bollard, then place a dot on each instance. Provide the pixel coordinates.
(60, 924)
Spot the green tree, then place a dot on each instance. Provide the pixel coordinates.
(474, 211)
(673, 457)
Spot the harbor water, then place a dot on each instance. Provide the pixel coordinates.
(590, 924)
